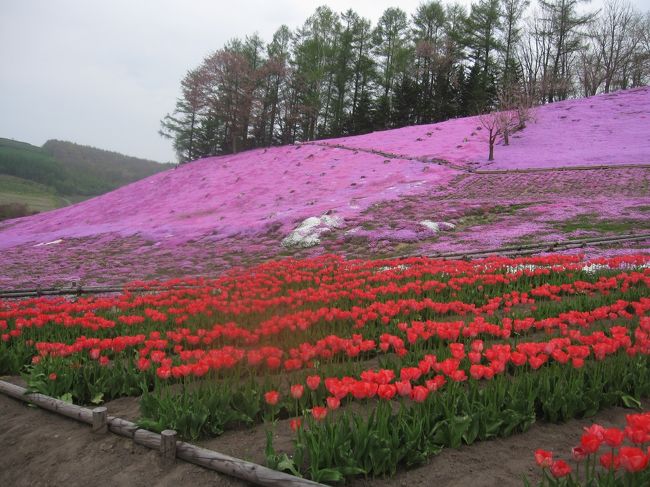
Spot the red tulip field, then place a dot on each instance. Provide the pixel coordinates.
(376, 365)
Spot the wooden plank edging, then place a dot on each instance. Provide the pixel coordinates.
(58, 291)
(235, 467)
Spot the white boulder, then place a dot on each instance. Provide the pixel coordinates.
(308, 233)
(436, 227)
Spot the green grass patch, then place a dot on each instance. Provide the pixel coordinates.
(591, 222)
(487, 214)
(36, 197)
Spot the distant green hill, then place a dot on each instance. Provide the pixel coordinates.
(110, 168)
(34, 179)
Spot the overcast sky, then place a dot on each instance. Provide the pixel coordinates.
(103, 73)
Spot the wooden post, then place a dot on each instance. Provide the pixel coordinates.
(168, 445)
(100, 420)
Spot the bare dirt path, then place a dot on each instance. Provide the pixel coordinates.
(39, 448)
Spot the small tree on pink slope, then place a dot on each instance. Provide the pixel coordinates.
(507, 121)
(490, 122)
(514, 111)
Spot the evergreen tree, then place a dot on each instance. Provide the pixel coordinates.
(359, 116)
(512, 14)
(482, 39)
(314, 61)
(390, 39)
(183, 125)
(428, 36)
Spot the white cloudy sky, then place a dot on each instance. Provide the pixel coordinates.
(103, 73)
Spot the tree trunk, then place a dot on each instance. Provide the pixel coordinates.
(491, 139)
(191, 148)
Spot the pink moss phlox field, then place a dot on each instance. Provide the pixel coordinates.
(223, 212)
(605, 129)
(241, 194)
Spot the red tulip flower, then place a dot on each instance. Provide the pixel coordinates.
(596, 429)
(476, 371)
(333, 402)
(543, 458)
(313, 381)
(386, 391)
(319, 413)
(474, 357)
(295, 424)
(419, 393)
(297, 391)
(610, 461)
(164, 372)
(403, 387)
(477, 346)
(633, 459)
(590, 443)
(560, 469)
(273, 363)
(613, 437)
(636, 435)
(577, 362)
(459, 376)
(578, 453)
(436, 383)
(272, 398)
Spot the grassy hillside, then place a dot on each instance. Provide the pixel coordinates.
(38, 197)
(35, 179)
(32, 163)
(111, 168)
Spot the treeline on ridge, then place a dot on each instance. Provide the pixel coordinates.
(340, 75)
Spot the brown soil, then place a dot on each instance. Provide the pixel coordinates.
(39, 448)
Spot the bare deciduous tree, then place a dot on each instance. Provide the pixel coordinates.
(614, 34)
(490, 121)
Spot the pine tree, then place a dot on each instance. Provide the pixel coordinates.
(359, 117)
(512, 14)
(391, 48)
(482, 39)
(428, 35)
(183, 126)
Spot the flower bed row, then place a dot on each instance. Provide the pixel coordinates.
(442, 351)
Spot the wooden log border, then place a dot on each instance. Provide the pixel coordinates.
(235, 467)
(78, 290)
